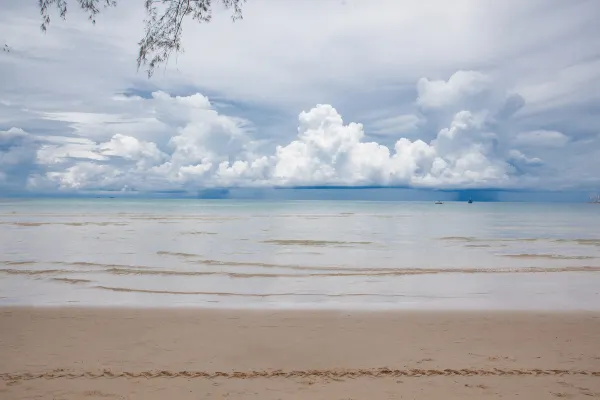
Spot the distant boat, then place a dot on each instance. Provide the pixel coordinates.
(438, 202)
(595, 199)
(470, 201)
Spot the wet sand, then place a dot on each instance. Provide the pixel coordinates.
(96, 353)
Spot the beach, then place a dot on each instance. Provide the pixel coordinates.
(94, 353)
(325, 200)
(190, 299)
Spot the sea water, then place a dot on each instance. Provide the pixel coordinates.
(299, 254)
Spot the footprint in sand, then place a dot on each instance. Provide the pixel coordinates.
(562, 395)
(97, 393)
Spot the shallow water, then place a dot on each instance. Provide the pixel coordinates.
(309, 254)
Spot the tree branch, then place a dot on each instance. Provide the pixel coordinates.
(163, 23)
(89, 6)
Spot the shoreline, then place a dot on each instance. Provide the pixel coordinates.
(541, 292)
(281, 308)
(152, 353)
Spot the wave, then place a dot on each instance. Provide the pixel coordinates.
(319, 243)
(364, 272)
(331, 272)
(34, 224)
(171, 253)
(586, 242)
(317, 216)
(71, 280)
(282, 266)
(474, 239)
(19, 262)
(193, 218)
(9, 271)
(548, 256)
(461, 239)
(234, 294)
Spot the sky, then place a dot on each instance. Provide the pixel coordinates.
(467, 95)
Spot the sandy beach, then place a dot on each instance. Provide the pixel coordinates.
(95, 353)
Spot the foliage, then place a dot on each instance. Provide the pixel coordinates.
(163, 23)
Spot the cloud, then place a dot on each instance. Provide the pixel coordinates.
(512, 104)
(210, 149)
(327, 63)
(129, 148)
(461, 100)
(574, 84)
(541, 138)
(59, 150)
(460, 86)
(325, 152)
(396, 125)
(17, 157)
(329, 152)
(521, 160)
(14, 147)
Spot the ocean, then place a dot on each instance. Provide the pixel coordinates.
(299, 254)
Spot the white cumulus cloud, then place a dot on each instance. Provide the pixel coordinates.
(461, 85)
(211, 150)
(197, 146)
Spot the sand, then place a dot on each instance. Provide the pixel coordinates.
(78, 353)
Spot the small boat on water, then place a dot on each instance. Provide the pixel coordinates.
(438, 202)
(470, 201)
